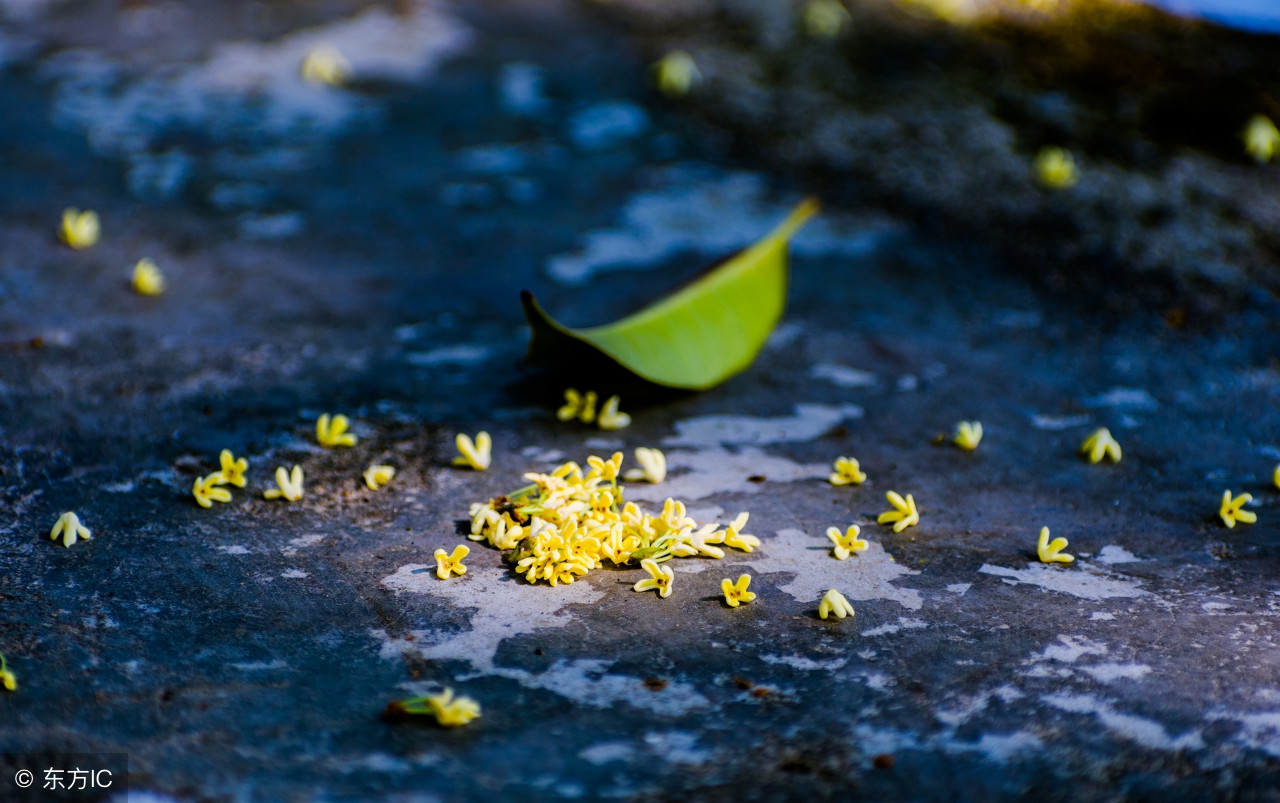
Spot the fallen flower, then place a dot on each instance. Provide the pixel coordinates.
(847, 472)
(1261, 138)
(968, 435)
(147, 278)
(904, 512)
(736, 593)
(660, 578)
(734, 537)
(610, 417)
(69, 526)
(233, 470)
(677, 72)
(7, 677)
(449, 711)
(653, 467)
(447, 564)
(378, 476)
(834, 602)
(477, 455)
(1275, 476)
(1231, 510)
(848, 543)
(290, 485)
(79, 229)
(1056, 168)
(1100, 444)
(206, 490)
(1051, 551)
(325, 64)
(578, 406)
(331, 432)
(825, 19)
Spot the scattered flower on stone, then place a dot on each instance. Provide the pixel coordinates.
(449, 711)
(968, 435)
(1056, 169)
(147, 278)
(736, 593)
(331, 432)
(289, 485)
(677, 72)
(734, 537)
(233, 470)
(447, 564)
(206, 490)
(69, 527)
(477, 455)
(325, 64)
(1261, 138)
(79, 229)
(846, 544)
(610, 417)
(1275, 476)
(1100, 444)
(579, 406)
(653, 466)
(847, 472)
(7, 678)
(1232, 509)
(1051, 551)
(378, 476)
(834, 602)
(825, 19)
(660, 578)
(904, 512)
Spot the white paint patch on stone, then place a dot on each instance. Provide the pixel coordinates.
(608, 751)
(1214, 607)
(542, 455)
(1124, 398)
(865, 576)
(1086, 582)
(677, 747)
(609, 445)
(716, 471)
(234, 549)
(1069, 649)
(1002, 747)
(843, 376)
(903, 624)
(959, 588)
(1101, 616)
(879, 681)
(1259, 730)
(808, 422)
(260, 666)
(119, 487)
(998, 748)
(1110, 673)
(295, 574)
(1055, 423)
(588, 682)
(461, 354)
(805, 664)
(1112, 554)
(1145, 732)
(786, 334)
(301, 542)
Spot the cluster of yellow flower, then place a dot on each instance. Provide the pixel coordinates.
(567, 522)
(208, 490)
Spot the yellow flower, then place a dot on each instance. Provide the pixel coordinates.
(1100, 444)
(232, 469)
(606, 470)
(333, 432)
(834, 602)
(825, 19)
(477, 455)
(610, 417)
(660, 578)
(968, 435)
(206, 490)
(147, 278)
(1232, 509)
(7, 677)
(1051, 551)
(904, 512)
(700, 542)
(676, 73)
(734, 537)
(79, 229)
(1275, 476)
(325, 64)
(653, 466)
(1261, 138)
(290, 485)
(1056, 169)
(847, 472)
(848, 543)
(377, 476)
(578, 406)
(736, 593)
(69, 527)
(452, 711)
(447, 564)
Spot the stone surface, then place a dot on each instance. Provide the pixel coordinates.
(369, 261)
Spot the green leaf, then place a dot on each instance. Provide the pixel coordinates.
(698, 336)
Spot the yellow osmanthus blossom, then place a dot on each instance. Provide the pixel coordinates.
(734, 537)
(147, 278)
(1232, 509)
(846, 544)
(448, 710)
(1275, 476)
(612, 418)
(653, 466)
(378, 476)
(449, 564)
(289, 485)
(660, 578)
(1100, 444)
(1261, 138)
(7, 678)
(331, 432)
(233, 470)
(847, 472)
(834, 602)
(904, 512)
(676, 73)
(736, 593)
(825, 19)
(478, 454)
(206, 490)
(968, 435)
(325, 64)
(1051, 551)
(69, 527)
(1056, 169)
(79, 229)
(579, 406)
